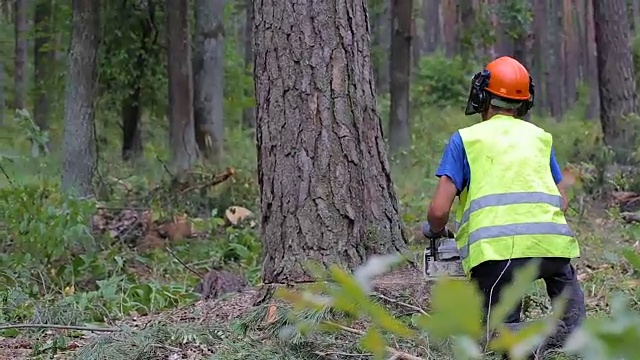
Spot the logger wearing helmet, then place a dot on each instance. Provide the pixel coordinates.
(511, 208)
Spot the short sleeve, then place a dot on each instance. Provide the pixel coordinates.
(555, 168)
(452, 162)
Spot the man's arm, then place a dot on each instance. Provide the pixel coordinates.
(451, 174)
(557, 178)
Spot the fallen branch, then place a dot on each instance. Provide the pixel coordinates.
(398, 302)
(217, 180)
(62, 327)
(395, 353)
(183, 264)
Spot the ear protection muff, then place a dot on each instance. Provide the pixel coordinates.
(479, 98)
(528, 104)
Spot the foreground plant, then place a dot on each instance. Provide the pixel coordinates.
(455, 315)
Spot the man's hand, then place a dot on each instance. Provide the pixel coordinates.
(442, 233)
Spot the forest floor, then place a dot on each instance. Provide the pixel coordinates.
(234, 327)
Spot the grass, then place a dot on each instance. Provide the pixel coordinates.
(115, 284)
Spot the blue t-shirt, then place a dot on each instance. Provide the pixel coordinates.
(455, 165)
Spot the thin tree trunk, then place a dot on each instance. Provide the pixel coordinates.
(540, 44)
(182, 137)
(571, 53)
(3, 78)
(432, 39)
(249, 113)
(326, 190)
(43, 62)
(79, 140)
(20, 60)
(208, 75)
(449, 23)
(591, 72)
(555, 60)
(616, 77)
(400, 70)
(381, 44)
(131, 107)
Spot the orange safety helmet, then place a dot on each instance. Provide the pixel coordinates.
(503, 78)
(509, 79)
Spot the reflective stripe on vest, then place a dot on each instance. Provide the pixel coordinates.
(532, 228)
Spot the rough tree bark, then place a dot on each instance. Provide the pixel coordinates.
(79, 142)
(249, 113)
(43, 61)
(182, 137)
(400, 70)
(616, 76)
(208, 75)
(20, 60)
(326, 189)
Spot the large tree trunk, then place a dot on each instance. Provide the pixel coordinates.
(182, 137)
(208, 74)
(400, 70)
(249, 113)
(616, 76)
(79, 141)
(43, 61)
(20, 59)
(326, 189)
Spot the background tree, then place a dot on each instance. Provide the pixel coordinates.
(43, 61)
(616, 77)
(248, 113)
(208, 75)
(79, 141)
(143, 21)
(184, 149)
(400, 70)
(326, 190)
(20, 60)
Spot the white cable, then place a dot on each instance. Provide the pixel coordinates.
(513, 243)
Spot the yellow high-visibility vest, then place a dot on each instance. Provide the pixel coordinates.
(512, 207)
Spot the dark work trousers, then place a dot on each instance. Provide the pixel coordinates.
(558, 274)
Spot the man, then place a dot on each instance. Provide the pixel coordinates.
(511, 207)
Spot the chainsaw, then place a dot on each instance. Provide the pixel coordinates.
(441, 257)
